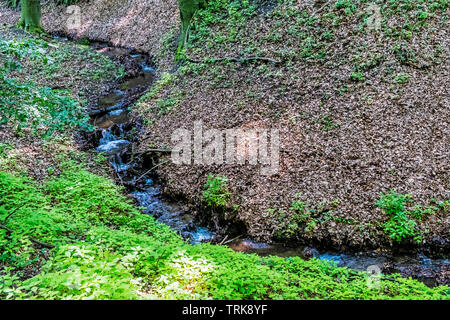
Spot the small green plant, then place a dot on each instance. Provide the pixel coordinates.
(84, 42)
(166, 105)
(100, 158)
(216, 191)
(357, 76)
(347, 5)
(393, 203)
(420, 212)
(402, 78)
(328, 123)
(302, 212)
(5, 147)
(404, 55)
(399, 226)
(301, 217)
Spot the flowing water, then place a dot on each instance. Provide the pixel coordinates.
(111, 117)
(430, 271)
(111, 113)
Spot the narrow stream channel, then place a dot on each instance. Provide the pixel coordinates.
(111, 116)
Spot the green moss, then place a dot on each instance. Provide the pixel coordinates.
(30, 19)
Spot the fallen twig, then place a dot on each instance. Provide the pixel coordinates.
(234, 59)
(9, 215)
(43, 244)
(320, 9)
(148, 171)
(235, 238)
(154, 150)
(223, 240)
(118, 176)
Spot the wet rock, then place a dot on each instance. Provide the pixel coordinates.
(113, 147)
(309, 253)
(443, 277)
(429, 273)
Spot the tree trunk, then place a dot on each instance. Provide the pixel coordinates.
(30, 19)
(187, 11)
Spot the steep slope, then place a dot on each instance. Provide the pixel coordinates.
(362, 109)
(358, 90)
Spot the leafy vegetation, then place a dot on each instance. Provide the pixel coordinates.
(304, 217)
(56, 62)
(43, 110)
(27, 103)
(105, 249)
(400, 226)
(216, 192)
(76, 236)
(13, 4)
(232, 13)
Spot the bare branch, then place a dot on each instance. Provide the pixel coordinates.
(43, 244)
(234, 59)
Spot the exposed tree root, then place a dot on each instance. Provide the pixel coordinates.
(43, 244)
(234, 59)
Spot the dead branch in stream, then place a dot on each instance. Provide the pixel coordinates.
(231, 240)
(148, 171)
(153, 150)
(223, 240)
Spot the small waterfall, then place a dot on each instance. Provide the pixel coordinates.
(107, 136)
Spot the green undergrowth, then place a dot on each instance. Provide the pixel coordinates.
(380, 45)
(44, 110)
(215, 191)
(306, 34)
(293, 34)
(37, 86)
(46, 61)
(403, 217)
(104, 248)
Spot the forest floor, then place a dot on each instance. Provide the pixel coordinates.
(360, 112)
(68, 232)
(359, 95)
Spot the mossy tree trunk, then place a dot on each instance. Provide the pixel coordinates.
(30, 19)
(187, 11)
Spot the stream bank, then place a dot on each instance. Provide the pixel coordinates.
(117, 137)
